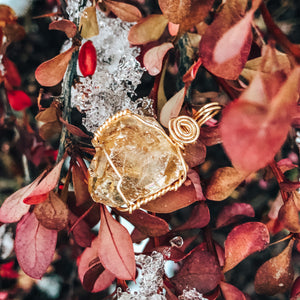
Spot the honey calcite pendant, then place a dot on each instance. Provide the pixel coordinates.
(135, 161)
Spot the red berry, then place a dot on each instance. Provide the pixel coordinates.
(87, 59)
(18, 100)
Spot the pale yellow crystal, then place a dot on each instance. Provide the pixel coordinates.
(134, 153)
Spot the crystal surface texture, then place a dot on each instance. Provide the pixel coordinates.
(118, 73)
(134, 159)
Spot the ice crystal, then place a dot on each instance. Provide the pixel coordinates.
(75, 8)
(151, 279)
(191, 294)
(176, 242)
(2, 69)
(117, 75)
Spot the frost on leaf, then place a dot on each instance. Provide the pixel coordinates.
(276, 275)
(244, 240)
(115, 247)
(34, 246)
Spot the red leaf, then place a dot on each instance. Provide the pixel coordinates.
(295, 292)
(34, 246)
(12, 74)
(244, 240)
(227, 18)
(172, 201)
(87, 59)
(68, 27)
(285, 165)
(74, 129)
(115, 247)
(171, 253)
(49, 182)
(248, 120)
(82, 233)
(194, 155)
(199, 218)
(200, 270)
(18, 100)
(276, 275)
(153, 58)
(230, 292)
(13, 207)
(195, 179)
(289, 186)
(7, 271)
(149, 225)
(234, 40)
(234, 212)
(51, 72)
(92, 276)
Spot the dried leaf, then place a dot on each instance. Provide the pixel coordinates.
(51, 72)
(7, 15)
(227, 18)
(50, 131)
(82, 233)
(286, 164)
(244, 240)
(210, 135)
(49, 182)
(194, 154)
(295, 292)
(14, 32)
(13, 208)
(126, 12)
(115, 247)
(233, 41)
(92, 274)
(47, 115)
(200, 270)
(52, 213)
(74, 129)
(147, 30)
(276, 275)
(172, 201)
(18, 100)
(149, 225)
(34, 246)
(199, 218)
(246, 120)
(80, 185)
(191, 73)
(88, 25)
(153, 58)
(288, 215)
(230, 292)
(68, 27)
(87, 59)
(234, 212)
(289, 186)
(223, 183)
(172, 108)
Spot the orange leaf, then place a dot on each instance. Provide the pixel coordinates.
(244, 240)
(276, 275)
(126, 12)
(153, 58)
(288, 215)
(68, 27)
(51, 72)
(223, 183)
(115, 247)
(147, 30)
(230, 292)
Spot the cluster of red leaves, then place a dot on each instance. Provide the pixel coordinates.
(11, 31)
(252, 129)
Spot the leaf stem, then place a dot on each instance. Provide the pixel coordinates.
(281, 240)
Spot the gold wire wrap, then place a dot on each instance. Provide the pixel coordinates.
(183, 130)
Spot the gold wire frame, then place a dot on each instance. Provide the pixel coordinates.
(183, 130)
(131, 206)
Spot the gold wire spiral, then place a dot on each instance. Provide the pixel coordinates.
(183, 130)
(186, 130)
